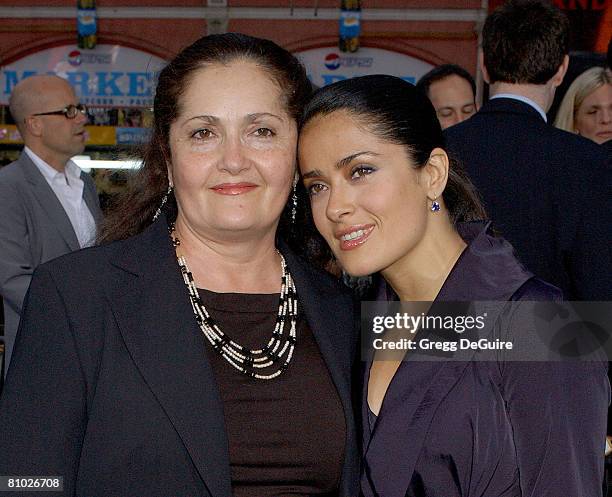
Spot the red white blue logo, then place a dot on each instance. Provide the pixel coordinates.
(332, 61)
(74, 58)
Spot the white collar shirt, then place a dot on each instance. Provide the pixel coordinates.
(68, 188)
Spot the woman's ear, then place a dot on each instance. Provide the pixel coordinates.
(436, 173)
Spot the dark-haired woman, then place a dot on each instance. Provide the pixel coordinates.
(388, 200)
(194, 355)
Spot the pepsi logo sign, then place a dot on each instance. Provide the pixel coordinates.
(74, 58)
(332, 61)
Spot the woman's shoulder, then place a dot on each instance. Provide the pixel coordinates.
(88, 270)
(535, 289)
(87, 260)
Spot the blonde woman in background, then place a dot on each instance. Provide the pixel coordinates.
(586, 108)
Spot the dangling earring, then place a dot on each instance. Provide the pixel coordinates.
(163, 202)
(435, 206)
(294, 202)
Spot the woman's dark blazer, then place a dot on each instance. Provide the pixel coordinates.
(488, 429)
(110, 386)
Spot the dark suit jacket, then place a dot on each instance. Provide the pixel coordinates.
(110, 385)
(549, 192)
(493, 428)
(34, 228)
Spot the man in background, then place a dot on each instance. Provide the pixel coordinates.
(546, 190)
(49, 206)
(452, 92)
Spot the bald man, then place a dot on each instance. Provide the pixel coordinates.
(48, 206)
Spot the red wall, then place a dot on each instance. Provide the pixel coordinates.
(434, 42)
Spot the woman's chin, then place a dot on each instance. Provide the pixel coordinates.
(358, 270)
(241, 224)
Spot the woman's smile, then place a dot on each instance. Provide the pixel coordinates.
(354, 236)
(233, 188)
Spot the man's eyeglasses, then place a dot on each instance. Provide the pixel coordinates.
(69, 112)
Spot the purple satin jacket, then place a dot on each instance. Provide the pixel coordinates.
(488, 429)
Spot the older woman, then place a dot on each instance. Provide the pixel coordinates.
(196, 354)
(388, 200)
(586, 108)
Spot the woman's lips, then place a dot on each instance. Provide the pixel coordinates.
(354, 236)
(233, 188)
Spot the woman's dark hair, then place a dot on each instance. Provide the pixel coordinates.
(134, 209)
(396, 111)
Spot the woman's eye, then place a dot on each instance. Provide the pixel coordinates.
(264, 132)
(315, 189)
(361, 171)
(202, 134)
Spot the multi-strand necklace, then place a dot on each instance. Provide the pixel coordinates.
(265, 363)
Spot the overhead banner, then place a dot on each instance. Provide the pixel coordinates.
(106, 76)
(327, 65)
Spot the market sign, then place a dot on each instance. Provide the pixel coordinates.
(327, 65)
(107, 76)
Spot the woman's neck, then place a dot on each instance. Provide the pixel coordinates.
(237, 265)
(420, 274)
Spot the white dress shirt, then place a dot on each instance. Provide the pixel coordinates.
(68, 188)
(523, 99)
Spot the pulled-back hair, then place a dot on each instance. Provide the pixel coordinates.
(524, 42)
(134, 209)
(395, 111)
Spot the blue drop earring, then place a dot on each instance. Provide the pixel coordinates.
(435, 205)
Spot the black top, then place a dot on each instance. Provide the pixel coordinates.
(116, 392)
(286, 435)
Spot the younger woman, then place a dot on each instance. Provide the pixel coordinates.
(387, 199)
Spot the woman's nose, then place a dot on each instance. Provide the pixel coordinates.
(339, 204)
(233, 160)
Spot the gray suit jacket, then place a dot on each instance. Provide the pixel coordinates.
(34, 228)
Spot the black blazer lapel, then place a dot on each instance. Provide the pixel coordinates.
(327, 310)
(151, 306)
(49, 201)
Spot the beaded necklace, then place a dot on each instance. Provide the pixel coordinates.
(262, 364)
